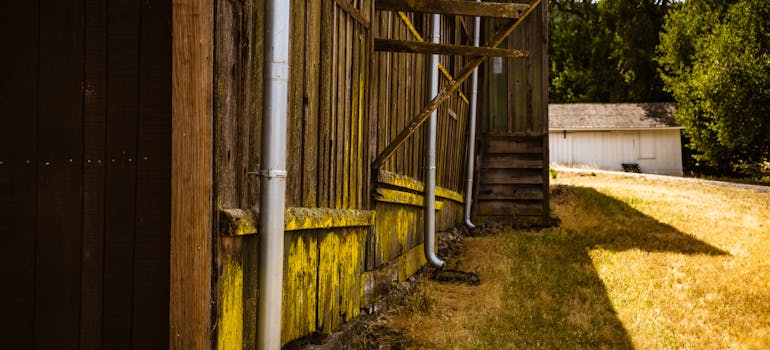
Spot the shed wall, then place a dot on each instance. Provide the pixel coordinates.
(656, 151)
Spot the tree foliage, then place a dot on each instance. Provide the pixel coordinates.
(715, 60)
(603, 51)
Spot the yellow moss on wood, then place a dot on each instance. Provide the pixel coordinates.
(398, 180)
(341, 265)
(411, 261)
(449, 194)
(400, 197)
(316, 218)
(406, 182)
(230, 322)
(242, 222)
(238, 222)
(301, 267)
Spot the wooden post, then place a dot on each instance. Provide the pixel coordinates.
(191, 175)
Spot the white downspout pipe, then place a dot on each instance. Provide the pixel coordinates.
(273, 174)
(430, 176)
(472, 129)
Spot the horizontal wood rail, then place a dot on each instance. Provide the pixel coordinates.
(388, 178)
(244, 222)
(448, 88)
(401, 197)
(462, 8)
(443, 49)
(419, 37)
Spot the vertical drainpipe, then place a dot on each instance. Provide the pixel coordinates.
(472, 129)
(430, 177)
(273, 174)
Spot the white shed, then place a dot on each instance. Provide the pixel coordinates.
(606, 135)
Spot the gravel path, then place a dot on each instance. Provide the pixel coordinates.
(756, 188)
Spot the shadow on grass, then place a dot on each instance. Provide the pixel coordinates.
(557, 299)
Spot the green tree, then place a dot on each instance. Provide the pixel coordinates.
(603, 51)
(715, 60)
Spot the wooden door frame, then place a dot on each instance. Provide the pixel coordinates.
(191, 175)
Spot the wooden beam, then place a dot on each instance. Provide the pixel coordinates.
(401, 197)
(449, 7)
(244, 222)
(448, 88)
(191, 175)
(393, 45)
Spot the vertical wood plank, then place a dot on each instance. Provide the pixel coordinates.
(396, 96)
(334, 101)
(409, 108)
(402, 111)
(151, 247)
(518, 82)
(60, 149)
(300, 281)
(325, 104)
(252, 97)
(123, 20)
(18, 171)
(191, 175)
(383, 100)
(339, 116)
(251, 91)
(93, 173)
(354, 116)
(346, 118)
(310, 171)
(296, 96)
(370, 109)
(420, 98)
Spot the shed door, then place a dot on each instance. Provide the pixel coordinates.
(630, 147)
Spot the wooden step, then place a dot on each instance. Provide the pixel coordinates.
(510, 192)
(511, 177)
(499, 161)
(513, 208)
(512, 146)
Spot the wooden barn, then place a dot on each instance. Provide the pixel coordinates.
(243, 174)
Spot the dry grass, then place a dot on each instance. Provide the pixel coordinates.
(637, 263)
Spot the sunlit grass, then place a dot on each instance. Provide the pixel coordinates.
(637, 263)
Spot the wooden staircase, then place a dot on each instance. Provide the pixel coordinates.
(511, 179)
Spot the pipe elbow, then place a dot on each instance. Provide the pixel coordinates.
(469, 224)
(434, 260)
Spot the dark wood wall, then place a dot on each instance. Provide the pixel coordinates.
(85, 174)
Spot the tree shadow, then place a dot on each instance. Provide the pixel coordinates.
(558, 299)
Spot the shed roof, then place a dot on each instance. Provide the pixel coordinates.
(611, 116)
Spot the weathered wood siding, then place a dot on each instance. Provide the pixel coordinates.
(512, 154)
(401, 90)
(85, 157)
(346, 102)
